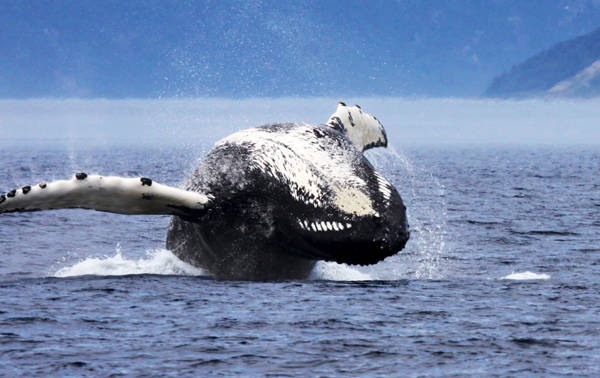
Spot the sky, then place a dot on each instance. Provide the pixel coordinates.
(244, 49)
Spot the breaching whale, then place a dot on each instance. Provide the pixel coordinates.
(265, 203)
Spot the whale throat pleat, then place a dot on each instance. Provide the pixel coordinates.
(106, 193)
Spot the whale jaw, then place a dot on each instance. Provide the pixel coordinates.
(256, 239)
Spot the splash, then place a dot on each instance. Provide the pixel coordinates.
(425, 201)
(421, 259)
(164, 262)
(337, 272)
(524, 276)
(154, 262)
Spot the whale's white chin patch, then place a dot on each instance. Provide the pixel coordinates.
(353, 201)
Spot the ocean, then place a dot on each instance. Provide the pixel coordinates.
(501, 275)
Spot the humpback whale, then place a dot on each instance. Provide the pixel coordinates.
(265, 203)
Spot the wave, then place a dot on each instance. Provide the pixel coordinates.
(164, 262)
(337, 272)
(525, 276)
(545, 233)
(155, 262)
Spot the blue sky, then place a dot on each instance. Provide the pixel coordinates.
(152, 49)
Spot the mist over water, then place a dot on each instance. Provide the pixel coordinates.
(409, 122)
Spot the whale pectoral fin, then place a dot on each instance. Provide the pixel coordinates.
(105, 193)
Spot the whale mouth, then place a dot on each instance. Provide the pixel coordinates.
(359, 243)
(357, 253)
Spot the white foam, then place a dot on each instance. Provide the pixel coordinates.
(155, 262)
(522, 276)
(337, 272)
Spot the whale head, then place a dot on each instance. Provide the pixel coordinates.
(363, 129)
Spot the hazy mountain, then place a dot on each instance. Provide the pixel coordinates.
(586, 83)
(153, 48)
(569, 68)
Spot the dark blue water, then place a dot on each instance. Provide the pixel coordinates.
(501, 277)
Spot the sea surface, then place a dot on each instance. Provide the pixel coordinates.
(501, 276)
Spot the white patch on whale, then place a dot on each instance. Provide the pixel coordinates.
(288, 155)
(353, 201)
(278, 155)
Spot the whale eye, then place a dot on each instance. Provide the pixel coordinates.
(81, 176)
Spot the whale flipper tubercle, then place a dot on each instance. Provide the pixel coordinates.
(105, 193)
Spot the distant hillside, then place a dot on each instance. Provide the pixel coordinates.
(570, 68)
(273, 48)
